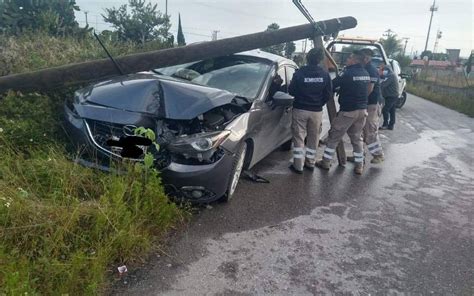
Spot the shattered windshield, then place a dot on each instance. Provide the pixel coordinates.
(241, 75)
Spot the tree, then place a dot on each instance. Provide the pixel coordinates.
(286, 49)
(403, 60)
(428, 54)
(54, 17)
(144, 22)
(180, 36)
(290, 48)
(391, 44)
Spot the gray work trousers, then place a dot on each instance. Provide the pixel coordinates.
(353, 123)
(305, 124)
(371, 129)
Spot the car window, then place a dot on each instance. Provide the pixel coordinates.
(284, 85)
(289, 73)
(241, 75)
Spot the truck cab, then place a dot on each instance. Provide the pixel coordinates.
(341, 48)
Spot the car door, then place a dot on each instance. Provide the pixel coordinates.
(285, 122)
(273, 123)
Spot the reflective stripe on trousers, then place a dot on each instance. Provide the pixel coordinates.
(310, 153)
(298, 152)
(374, 147)
(358, 157)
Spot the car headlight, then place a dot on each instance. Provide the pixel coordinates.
(199, 142)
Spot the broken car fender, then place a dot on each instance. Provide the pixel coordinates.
(238, 130)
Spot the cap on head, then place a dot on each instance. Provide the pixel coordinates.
(315, 56)
(358, 56)
(367, 52)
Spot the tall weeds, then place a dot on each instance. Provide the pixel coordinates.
(64, 229)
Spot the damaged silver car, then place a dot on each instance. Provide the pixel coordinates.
(212, 119)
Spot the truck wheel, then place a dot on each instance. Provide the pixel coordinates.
(237, 167)
(402, 100)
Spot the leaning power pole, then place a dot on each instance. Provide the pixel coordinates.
(433, 8)
(79, 73)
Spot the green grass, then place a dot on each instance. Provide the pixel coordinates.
(461, 103)
(32, 52)
(66, 228)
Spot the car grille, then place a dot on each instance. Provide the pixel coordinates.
(100, 132)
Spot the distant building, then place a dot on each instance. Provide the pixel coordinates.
(453, 55)
(441, 65)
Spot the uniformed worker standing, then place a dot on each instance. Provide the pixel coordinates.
(374, 110)
(391, 93)
(312, 88)
(353, 97)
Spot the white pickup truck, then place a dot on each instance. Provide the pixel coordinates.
(342, 47)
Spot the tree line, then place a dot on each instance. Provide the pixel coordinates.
(137, 21)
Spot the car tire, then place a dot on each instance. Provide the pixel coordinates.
(286, 146)
(402, 100)
(237, 168)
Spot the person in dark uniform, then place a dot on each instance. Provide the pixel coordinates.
(353, 98)
(312, 88)
(391, 94)
(374, 110)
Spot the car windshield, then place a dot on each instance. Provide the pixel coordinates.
(241, 75)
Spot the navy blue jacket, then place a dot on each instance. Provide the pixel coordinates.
(376, 95)
(312, 88)
(353, 83)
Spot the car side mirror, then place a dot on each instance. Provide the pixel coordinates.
(403, 75)
(282, 99)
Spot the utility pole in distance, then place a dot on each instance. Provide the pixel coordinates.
(406, 41)
(86, 12)
(433, 8)
(214, 35)
(439, 34)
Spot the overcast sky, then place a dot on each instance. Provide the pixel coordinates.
(407, 18)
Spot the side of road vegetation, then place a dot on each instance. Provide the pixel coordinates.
(64, 228)
(459, 99)
(37, 51)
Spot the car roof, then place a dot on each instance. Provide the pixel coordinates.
(267, 56)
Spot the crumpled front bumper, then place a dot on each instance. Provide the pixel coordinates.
(196, 183)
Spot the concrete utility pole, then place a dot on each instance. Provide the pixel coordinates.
(86, 12)
(166, 8)
(79, 73)
(439, 34)
(388, 33)
(405, 47)
(214, 35)
(433, 8)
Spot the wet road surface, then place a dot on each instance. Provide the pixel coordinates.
(403, 227)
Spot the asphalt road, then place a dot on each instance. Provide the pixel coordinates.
(403, 227)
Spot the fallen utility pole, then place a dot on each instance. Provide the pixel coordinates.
(74, 74)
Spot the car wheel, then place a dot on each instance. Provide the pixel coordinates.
(402, 100)
(286, 146)
(237, 167)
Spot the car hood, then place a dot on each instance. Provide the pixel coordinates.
(154, 95)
